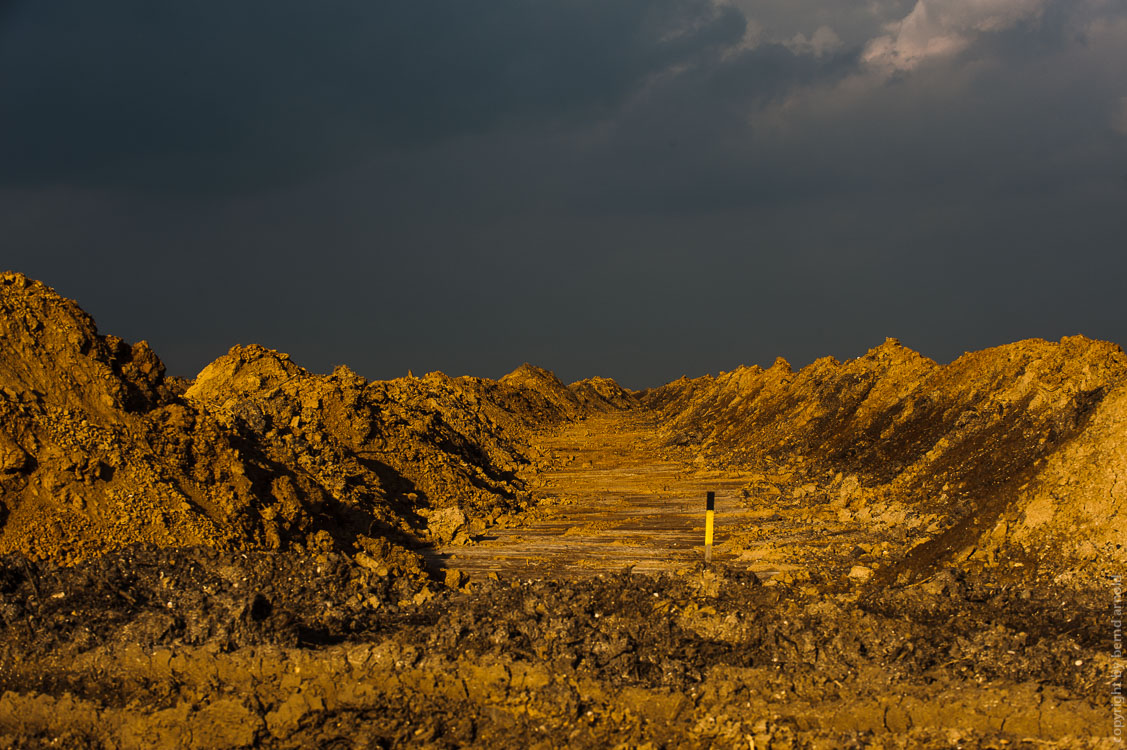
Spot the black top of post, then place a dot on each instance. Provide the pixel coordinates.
(711, 501)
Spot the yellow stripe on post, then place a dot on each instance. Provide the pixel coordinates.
(709, 515)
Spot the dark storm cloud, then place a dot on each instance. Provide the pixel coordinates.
(689, 146)
(639, 189)
(156, 94)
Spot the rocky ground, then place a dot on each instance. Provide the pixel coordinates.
(191, 648)
(908, 554)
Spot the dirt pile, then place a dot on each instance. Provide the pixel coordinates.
(98, 450)
(602, 394)
(1074, 506)
(438, 452)
(549, 399)
(402, 448)
(754, 412)
(543, 399)
(893, 438)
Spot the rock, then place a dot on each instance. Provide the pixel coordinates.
(13, 458)
(849, 489)
(806, 490)
(944, 582)
(455, 579)
(444, 524)
(860, 573)
(365, 560)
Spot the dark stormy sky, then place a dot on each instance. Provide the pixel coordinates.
(633, 188)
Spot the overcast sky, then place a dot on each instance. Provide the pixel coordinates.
(633, 188)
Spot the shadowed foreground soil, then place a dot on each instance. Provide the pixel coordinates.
(147, 650)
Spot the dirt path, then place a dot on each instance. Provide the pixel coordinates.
(615, 500)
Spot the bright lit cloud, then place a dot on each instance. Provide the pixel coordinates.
(941, 28)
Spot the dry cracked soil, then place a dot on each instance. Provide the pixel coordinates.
(907, 554)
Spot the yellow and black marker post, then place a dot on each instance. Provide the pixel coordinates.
(709, 514)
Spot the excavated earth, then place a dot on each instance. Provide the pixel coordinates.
(907, 554)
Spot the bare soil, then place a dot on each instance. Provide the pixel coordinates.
(594, 625)
(608, 498)
(907, 554)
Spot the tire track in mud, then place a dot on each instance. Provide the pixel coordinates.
(613, 498)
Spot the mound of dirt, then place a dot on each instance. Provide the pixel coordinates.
(603, 394)
(549, 400)
(405, 448)
(893, 438)
(754, 412)
(1071, 510)
(98, 450)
